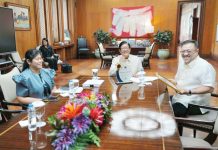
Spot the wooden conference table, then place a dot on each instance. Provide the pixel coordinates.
(137, 124)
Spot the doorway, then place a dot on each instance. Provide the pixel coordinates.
(190, 18)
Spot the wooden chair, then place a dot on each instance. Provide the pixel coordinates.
(147, 55)
(8, 87)
(207, 123)
(82, 47)
(106, 57)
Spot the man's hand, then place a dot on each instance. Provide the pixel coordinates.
(184, 92)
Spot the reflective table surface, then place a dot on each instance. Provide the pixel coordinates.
(141, 119)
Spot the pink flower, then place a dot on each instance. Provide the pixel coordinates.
(97, 115)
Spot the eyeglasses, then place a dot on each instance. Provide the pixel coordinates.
(186, 51)
(124, 49)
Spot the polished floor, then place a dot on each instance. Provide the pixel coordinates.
(166, 68)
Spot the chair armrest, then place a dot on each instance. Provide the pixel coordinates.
(108, 53)
(11, 111)
(205, 107)
(111, 53)
(18, 62)
(214, 94)
(190, 120)
(13, 104)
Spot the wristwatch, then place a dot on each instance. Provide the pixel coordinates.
(189, 92)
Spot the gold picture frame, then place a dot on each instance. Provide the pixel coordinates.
(21, 15)
(168, 82)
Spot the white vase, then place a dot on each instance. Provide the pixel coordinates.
(163, 53)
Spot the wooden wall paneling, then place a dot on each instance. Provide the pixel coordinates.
(37, 19)
(95, 14)
(215, 43)
(208, 30)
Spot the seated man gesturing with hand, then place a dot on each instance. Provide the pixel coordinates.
(126, 60)
(196, 79)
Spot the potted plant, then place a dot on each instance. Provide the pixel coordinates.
(101, 37)
(163, 39)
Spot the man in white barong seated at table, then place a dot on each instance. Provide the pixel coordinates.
(195, 78)
(127, 61)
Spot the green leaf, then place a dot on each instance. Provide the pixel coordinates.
(95, 127)
(83, 140)
(101, 36)
(55, 122)
(163, 37)
(52, 133)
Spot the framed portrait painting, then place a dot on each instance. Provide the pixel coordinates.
(21, 15)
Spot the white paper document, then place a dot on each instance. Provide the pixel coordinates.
(23, 123)
(64, 91)
(146, 79)
(61, 90)
(95, 83)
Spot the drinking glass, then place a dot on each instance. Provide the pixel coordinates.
(32, 139)
(141, 76)
(95, 74)
(40, 111)
(141, 93)
(41, 139)
(73, 87)
(75, 84)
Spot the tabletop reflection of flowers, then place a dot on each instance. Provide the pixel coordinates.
(78, 122)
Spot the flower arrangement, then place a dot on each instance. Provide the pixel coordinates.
(78, 122)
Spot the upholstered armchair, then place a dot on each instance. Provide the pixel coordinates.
(82, 47)
(8, 87)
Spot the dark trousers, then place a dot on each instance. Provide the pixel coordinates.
(181, 111)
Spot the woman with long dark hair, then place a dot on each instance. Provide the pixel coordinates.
(48, 54)
(34, 83)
